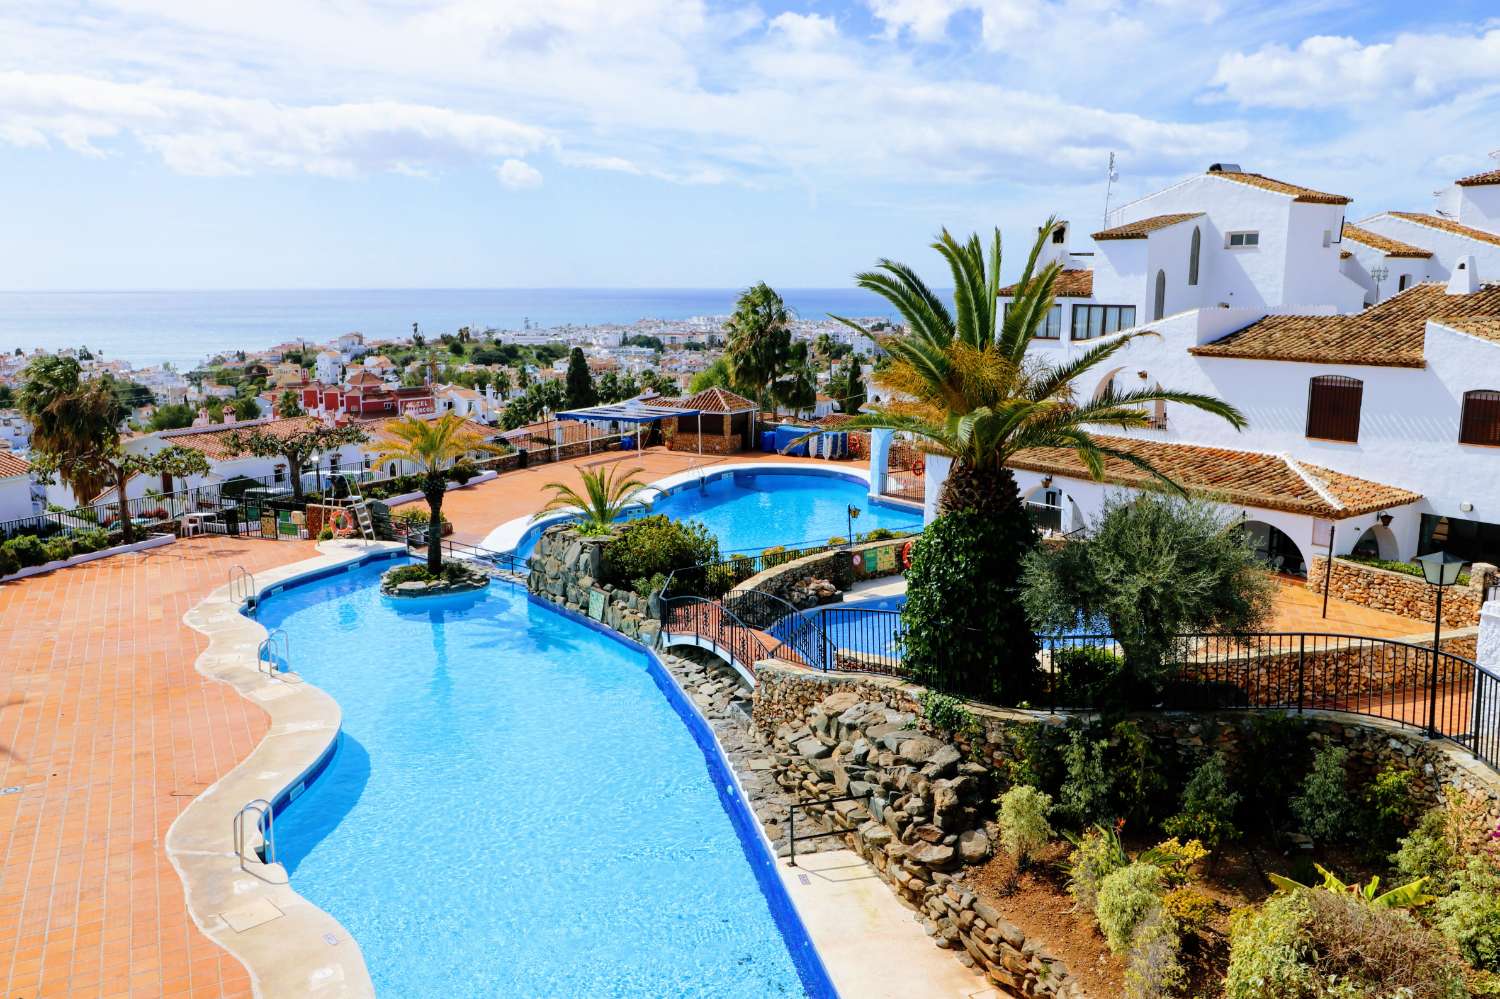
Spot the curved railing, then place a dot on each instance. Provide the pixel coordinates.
(710, 621)
(800, 638)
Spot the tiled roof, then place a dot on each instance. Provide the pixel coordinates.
(1267, 481)
(1297, 192)
(1486, 327)
(1479, 179)
(710, 400)
(381, 424)
(1074, 282)
(1447, 225)
(1389, 334)
(12, 464)
(213, 442)
(1142, 228)
(1385, 244)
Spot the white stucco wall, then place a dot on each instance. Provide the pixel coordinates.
(15, 497)
(1446, 247)
(1479, 206)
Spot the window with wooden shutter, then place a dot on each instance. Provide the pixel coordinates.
(1333, 407)
(1480, 423)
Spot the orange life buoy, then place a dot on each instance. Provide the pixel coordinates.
(906, 554)
(341, 523)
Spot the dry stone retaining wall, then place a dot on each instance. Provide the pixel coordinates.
(565, 570)
(1399, 593)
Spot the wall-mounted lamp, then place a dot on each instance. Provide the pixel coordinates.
(1046, 481)
(1466, 507)
(1385, 519)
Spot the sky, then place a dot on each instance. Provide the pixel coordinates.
(682, 143)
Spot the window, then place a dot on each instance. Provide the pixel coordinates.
(1093, 321)
(1474, 540)
(1193, 254)
(1059, 235)
(1404, 283)
(1052, 328)
(1160, 307)
(1236, 240)
(1480, 423)
(1333, 407)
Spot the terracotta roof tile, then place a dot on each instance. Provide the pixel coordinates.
(1297, 192)
(1141, 228)
(1390, 334)
(1266, 481)
(213, 442)
(1448, 225)
(1487, 327)
(1390, 247)
(1071, 283)
(710, 400)
(1479, 179)
(12, 464)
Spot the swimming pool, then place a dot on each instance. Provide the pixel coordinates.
(752, 510)
(522, 805)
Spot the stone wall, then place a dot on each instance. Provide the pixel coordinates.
(921, 817)
(836, 566)
(1399, 593)
(682, 435)
(565, 570)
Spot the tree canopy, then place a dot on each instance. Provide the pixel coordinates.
(298, 447)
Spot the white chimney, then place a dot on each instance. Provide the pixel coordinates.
(1465, 279)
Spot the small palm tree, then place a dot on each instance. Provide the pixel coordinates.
(606, 494)
(433, 446)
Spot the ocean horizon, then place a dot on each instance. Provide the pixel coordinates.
(185, 327)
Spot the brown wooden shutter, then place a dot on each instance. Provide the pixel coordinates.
(1333, 403)
(1481, 418)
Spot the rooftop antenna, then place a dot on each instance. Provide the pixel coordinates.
(1109, 186)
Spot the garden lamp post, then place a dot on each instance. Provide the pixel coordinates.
(1441, 571)
(852, 513)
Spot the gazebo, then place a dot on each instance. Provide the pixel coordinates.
(714, 421)
(631, 411)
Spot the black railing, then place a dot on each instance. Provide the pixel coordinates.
(800, 638)
(792, 839)
(225, 508)
(863, 640)
(1045, 517)
(416, 541)
(712, 579)
(710, 621)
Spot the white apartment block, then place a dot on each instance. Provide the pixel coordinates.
(1366, 359)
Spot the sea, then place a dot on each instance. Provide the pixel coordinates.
(186, 327)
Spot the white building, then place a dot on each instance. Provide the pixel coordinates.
(1381, 422)
(15, 430)
(15, 487)
(328, 368)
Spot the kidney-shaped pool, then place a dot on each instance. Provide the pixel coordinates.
(522, 805)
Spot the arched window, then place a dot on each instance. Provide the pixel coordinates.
(1160, 308)
(1480, 423)
(1193, 253)
(1333, 403)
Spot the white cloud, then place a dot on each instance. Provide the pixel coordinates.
(207, 134)
(1326, 70)
(518, 175)
(805, 29)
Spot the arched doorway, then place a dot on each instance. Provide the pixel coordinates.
(1376, 542)
(1275, 548)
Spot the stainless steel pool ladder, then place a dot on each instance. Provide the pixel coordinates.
(261, 809)
(242, 586)
(266, 652)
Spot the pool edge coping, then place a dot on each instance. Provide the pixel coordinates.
(286, 943)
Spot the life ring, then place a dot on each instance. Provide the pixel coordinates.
(906, 553)
(341, 524)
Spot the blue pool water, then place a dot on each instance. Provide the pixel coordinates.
(518, 806)
(751, 511)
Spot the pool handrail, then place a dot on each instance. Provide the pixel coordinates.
(266, 816)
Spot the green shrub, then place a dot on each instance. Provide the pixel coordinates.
(1038, 756)
(8, 562)
(1405, 568)
(1208, 806)
(462, 472)
(1087, 789)
(57, 549)
(1192, 910)
(946, 714)
(1024, 828)
(1315, 943)
(1425, 852)
(1470, 916)
(1126, 898)
(1153, 968)
(1324, 808)
(1391, 807)
(26, 549)
(1140, 784)
(837, 540)
(965, 630)
(1086, 675)
(326, 534)
(646, 586)
(646, 546)
(1175, 859)
(1096, 855)
(881, 534)
(91, 540)
(1270, 765)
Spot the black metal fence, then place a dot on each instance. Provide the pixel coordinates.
(709, 621)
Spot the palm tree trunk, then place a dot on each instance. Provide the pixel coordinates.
(433, 488)
(127, 529)
(991, 491)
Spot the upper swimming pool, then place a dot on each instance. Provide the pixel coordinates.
(521, 805)
(752, 510)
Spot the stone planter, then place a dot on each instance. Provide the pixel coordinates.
(471, 579)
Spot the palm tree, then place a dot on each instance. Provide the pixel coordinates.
(606, 494)
(433, 446)
(972, 394)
